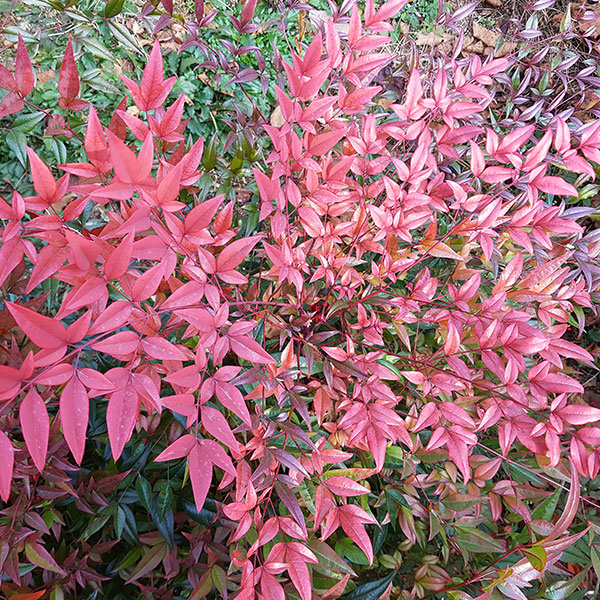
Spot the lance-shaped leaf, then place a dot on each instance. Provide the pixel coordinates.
(129, 168)
(11, 103)
(23, 70)
(121, 415)
(201, 458)
(39, 556)
(231, 256)
(570, 509)
(6, 466)
(35, 424)
(48, 189)
(153, 90)
(74, 415)
(41, 330)
(68, 82)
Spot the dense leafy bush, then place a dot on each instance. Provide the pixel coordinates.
(368, 358)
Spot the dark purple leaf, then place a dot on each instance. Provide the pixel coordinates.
(291, 502)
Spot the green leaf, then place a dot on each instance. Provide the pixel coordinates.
(164, 502)
(119, 522)
(595, 555)
(537, 557)
(352, 552)
(95, 79)
(150, 561)
(130, 558)
(59, 151)
(328, 559)
(563, 589)
(394, 458)
(113, 8)
(545, 510)
(373, 590)
(125, 37)
(476, 541)
(96, 524)
(205, 516)
(27, 122)
(144, 492)
(565, 22)
(16, 142)
(39, 556)
(97, 49)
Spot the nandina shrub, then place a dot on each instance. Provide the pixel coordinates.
(385, 353)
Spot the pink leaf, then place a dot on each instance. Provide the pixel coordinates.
(351, 519)
(344, 486)
(178, 449)
(6, 466)
(74, 415)
(233, 254)
(200, 467)
(121, 415)
(161, 349)
(576, 414)
(230, 397)
(121, 344)
(119, 259)
(250, 350)
(35, 424)
(216, 424)
(23, 70)
(42, 331)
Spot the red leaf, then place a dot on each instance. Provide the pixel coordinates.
(88, 293)
(121, 415)
(74, 415)
(351, 519)
(7, 80)
(233, 254)
(178, 449)
(11, 103)
(128, 167)
(321, 144)
(556, 186)
(96, 145)
(153, 87)
(161, 349)
(6, 466)
(250, 350)
(576, 414)
(118, 261)
(230, 397)
(297, 569)
(112, 318)
(43, 181)
(49, 260)
(35, 425)
(200, 467)
(28, 596)
(68, 81)
(121, 344)
(42, 331)
(344, 486)
(216, 424)
(23, 70)
(247, 11)
(570, 508)
(147, 283)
